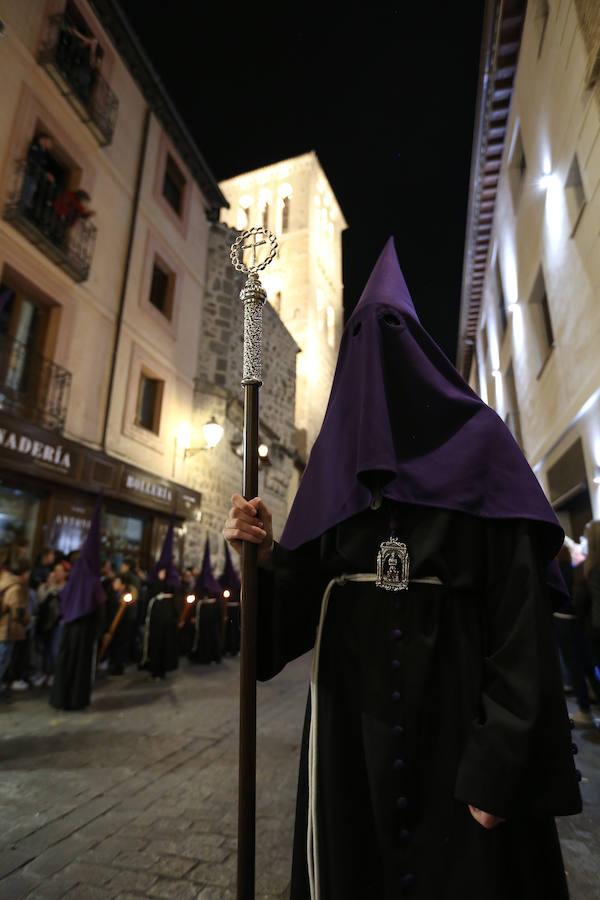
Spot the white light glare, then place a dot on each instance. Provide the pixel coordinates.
(213, 432)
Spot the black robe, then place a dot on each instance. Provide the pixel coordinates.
(73, 676)
(231, 643)
(207, 636)
(430, 699)
(120, 650)
(160, 650)
(187, 630)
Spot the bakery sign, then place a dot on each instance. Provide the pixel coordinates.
(29, 449)
(144, 486)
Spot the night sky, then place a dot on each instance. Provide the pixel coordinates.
(384, 93)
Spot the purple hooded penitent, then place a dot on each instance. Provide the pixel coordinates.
(206, 583)
(165, 560)
(230, 580)
(83, 592)
(401, 416)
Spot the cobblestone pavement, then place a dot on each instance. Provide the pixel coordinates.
(580, 835)
(136, 798)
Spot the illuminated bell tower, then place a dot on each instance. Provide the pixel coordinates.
(294, 199)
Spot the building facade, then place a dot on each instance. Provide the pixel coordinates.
(106, 206)
(530, 311)
(294, 199)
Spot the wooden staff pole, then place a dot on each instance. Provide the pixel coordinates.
(189, 602)
(253, 296)
(107, 639)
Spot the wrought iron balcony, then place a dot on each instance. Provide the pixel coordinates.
(36, 207)
(74, 66)
(32, 387)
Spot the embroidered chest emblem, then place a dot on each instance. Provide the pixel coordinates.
(393, 565)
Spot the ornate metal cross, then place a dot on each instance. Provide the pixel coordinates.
(238, 247)
(252, 247)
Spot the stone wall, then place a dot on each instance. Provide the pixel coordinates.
(218, 473)
(588, 12)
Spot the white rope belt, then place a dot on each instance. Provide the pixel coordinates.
(312, 845)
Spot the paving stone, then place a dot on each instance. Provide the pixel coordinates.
(127, 897)
(10, 860)
(215, 876)
(58, 856)
(89, 873)
(174, 890)
(193, 847)
(140, 861)
(88, 892)
(213, 893)
(112, 847)
(17, 885)
(173, 866)
(128, 880)
(53, 888)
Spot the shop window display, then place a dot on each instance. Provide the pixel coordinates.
(19, 511)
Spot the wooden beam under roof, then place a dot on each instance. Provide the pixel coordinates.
(500, 46)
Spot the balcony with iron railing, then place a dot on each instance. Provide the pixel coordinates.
(32, 387)
(49, 218)
(75, 68)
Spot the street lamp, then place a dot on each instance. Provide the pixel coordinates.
(213, 432)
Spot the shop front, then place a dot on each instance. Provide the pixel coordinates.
(48, 489)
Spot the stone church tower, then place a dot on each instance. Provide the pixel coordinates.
(294, 199)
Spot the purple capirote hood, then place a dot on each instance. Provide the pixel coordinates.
(230, 580)
(83, 592)
(401, 416)
(165, 560)
(206, 583)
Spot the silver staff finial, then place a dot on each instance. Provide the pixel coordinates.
(238, 247)
(253, 296)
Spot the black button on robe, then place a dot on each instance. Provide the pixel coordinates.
(429, 699)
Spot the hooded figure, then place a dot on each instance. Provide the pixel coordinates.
(416, 561)
(230, 581)
(207, 646)
(81, 602)
(160, 650)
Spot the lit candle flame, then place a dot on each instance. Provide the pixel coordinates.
(227, 594)
(127, 598)
(190, 598)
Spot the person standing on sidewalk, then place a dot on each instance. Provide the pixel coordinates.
(591, 569)
(14, 615)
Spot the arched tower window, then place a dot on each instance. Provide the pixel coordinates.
(285, 214)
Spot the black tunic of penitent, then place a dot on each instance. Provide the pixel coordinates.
(430, 699)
